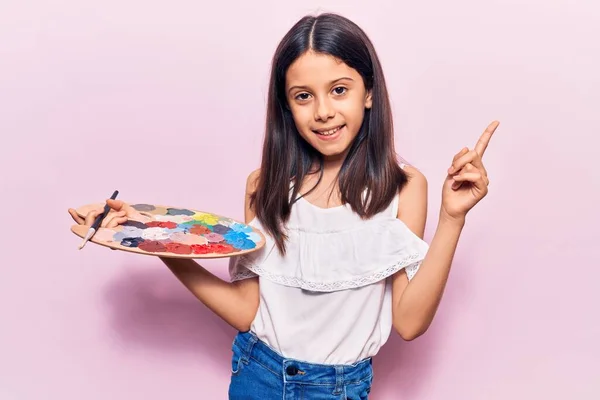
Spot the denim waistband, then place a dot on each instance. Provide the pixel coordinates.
(296, 371)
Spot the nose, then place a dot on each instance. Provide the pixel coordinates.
(324, 110)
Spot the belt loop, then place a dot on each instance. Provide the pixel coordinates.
(339, 379)
(249, 346)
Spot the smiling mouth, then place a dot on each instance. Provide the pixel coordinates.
(328, 132)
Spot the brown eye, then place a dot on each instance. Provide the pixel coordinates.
(339, 90)
(302, 96)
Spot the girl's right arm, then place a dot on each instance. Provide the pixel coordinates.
(235, 302)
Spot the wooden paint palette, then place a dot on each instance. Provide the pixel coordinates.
(175, 233)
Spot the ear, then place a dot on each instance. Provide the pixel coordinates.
(369, 99)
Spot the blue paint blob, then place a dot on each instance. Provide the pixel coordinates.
(239, 240)
(131, 231)
(144, 207)
(135, 224)
(221, 229)
(179, 211)
(119, 236)
(131, 242)
(233, 236)
(242, 244)
(241, 228)
(255, 237)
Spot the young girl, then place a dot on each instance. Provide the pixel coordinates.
(344, 261)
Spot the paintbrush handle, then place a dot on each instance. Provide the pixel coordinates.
(104, 213)
(92, 231)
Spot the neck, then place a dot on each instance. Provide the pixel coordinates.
(332, 164)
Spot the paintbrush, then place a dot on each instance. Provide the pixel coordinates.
(90, 233)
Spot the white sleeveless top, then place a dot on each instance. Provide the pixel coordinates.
(329, 299)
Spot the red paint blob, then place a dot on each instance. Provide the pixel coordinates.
(212, 248)
(162, 224)
(179, 248)
(152, 246)
(221, 248)
(201, 249)
(199, 230)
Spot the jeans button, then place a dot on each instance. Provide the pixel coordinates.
(291, 370)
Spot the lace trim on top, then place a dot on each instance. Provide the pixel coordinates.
(411, 265)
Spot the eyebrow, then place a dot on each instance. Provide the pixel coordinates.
(330, 83)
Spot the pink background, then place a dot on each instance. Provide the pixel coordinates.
(166, 104)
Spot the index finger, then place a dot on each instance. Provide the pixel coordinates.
(484, 140)
(130, 212)
(117, 205)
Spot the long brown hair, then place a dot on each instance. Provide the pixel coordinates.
(371, 162)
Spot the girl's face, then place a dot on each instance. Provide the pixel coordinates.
(328, 100)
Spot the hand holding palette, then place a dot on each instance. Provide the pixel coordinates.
(175, 233)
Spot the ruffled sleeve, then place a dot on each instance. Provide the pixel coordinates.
(237, 271)
(325, 260)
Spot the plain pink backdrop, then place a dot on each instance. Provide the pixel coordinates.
(165, 102)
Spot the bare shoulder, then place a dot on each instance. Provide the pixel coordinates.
(252, 181)
(412, 207)
(251, 184)
(416, 179)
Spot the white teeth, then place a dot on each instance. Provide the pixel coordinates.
(330, 132)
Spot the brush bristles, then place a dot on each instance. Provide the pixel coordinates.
(87, 237)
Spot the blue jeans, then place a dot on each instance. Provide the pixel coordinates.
(260, 373)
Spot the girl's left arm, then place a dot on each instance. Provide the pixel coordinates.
(415, 303)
